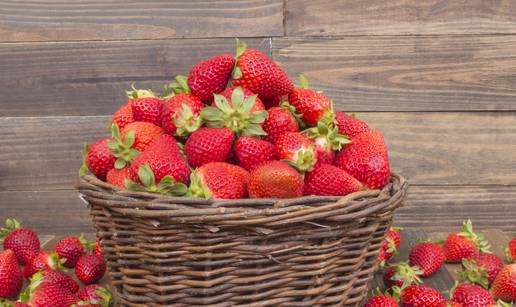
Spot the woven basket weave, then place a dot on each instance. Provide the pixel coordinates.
(178, 251)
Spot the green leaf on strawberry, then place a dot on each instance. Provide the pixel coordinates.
(122, 148)
(166, 186)
(84, 167)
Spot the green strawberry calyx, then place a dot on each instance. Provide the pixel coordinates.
(236, 115)
(84, 167)
(88, 245)
(56, 263)
(134, 93)
(198, 188)
(186, 121)
(500, 303)
(241, 46)
(327, 134)
(478, 239)
(122, 148)
(474, 273)
(292, 110)
(179, 86)
(303, 82)
(10, 225)
(166, 186)
(406, 273)
(303, 159)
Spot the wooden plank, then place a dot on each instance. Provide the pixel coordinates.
(90, 78)
(407, 73)
(120, 20)
(405, 17)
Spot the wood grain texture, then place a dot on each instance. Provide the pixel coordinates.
(50, 20)
(407, 73)
(399, 17)
(90, 78)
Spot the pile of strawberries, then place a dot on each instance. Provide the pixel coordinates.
(485, 279)
(237, 127)
(44, 272)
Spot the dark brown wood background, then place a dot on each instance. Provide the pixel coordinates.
(437, 77)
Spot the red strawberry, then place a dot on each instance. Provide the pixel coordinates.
(390, 245)
(90, 268)
(123, 116)
(208, 145)
(366, 159)
(210, 76)
(258, 73)
(61, 279)
(144, 134)
(11, 278)
(218, 180)
(327, 141)
(481, 268)
(43, 261)
(23, 242)
(297, 150)
(146, 106)
(251, 152)
(471, 296)
(401, 275)
(241, 113)
(428, 256)
(275, 179)
(95, 295)
(460, 245)
(451, 304)
(98, 159)
(420, 296)
(326, 179)
(119, 176)
(349, 125)
(181, 115)
(381, 301)
(43, 294)
(98, 249)
(504, 285)
(511, 251)
(71, 248)
(310, 104)
(13, 304)
(280, 120)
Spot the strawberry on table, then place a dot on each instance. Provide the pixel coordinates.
(349, 125)
(504, 285)
(420, 296)
(209, 145)
(210, 76)
(23, 242)
(383, 300)
(146, 106)
(310, 104)
(326, 179)
(71, 248)
(275, 179)
(98, 159)
(11, 278)
(460, 245)
(280, 120)
(297, 150)
(427, 256)
(144, 134)
(44, 294)
(61, 279)
(90, 268)
(95, 295)
(251, 152)
(43, 261)
(123, 116)
(470, 295)
(481, 268)
(218, 180)
(401, 275)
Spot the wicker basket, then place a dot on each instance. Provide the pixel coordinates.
(309, 251)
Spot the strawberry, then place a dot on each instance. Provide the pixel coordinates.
(349, 125)
(209, 145)
(382, 301)
(11, 278)
(390, 246)
(23, 242)
(144, 134)
(510, 251)
(98, 159)
(119, 176)
(460, 245)
(326, 179)
(327, 141)
(310, 104)
(210, 76)
(13, 304)
(280, 120)
(256, 72)
(90, 268)
(123, 116)
(504, 285)
(401, 275)
(242, 113)
(297, 150)
(43, 294)
(450, 304)
(481, 268)
(420, 296)
(71, 248)
(98, 249)
(275, 179)
(95, 295)
(427, 256)
(61, 279)
(146, 106)
(218, 180)
(471, 296)
(366, 159)
(251, 152)
(43, 261)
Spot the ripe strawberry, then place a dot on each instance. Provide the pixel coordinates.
(481, 268)
(144, 134)
(98, 159)
(43, 261)
(471, 296)
(43, 294)
(90, 268)
(366, 159)
(258, 73)
(504, 285)
(382, 301)
(98, 249)
(326, 179)
(146, 106)
(275, 179)
(181, 114)
(208, 145)
(390, 245)
(61, 279)
(251, 152)
(428, 256)
(310, 104)
(450, 304)
(420, 296)
(11, 278)
(297, 150)
(401, 275)
(123, 116)
(210, 76)
(510, 251)
(71, 248)
(119, 176)
(218, 180)
(241, 113)
(280, 120)
(349, 125)
(327, 141)
(23, 242)
(95, 295)
(460, 245)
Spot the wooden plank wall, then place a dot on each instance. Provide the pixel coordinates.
(437, 77)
